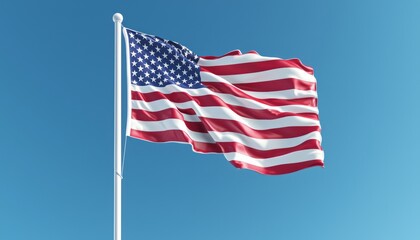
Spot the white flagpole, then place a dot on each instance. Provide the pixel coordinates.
(118, 18)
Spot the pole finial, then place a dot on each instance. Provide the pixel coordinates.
(117, 17)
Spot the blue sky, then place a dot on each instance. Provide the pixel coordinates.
(56, 124)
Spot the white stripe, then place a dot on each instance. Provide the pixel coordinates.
(212, 136)
(264, 144)
(227, 114)
(294, 157)
(285, 94)
(228, 60)
(227, 98)
(273, 74)
(170, 124)
(163, 104)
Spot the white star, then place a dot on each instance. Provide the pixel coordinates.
(153, 79)
(147, 74)
(134, 63)
(139, 50)
(159, 75)
(153, 62)
(190, 85)
(189, 67)
(137, 40)
(176, 56)
(131, 35)
(146, 56)
(165, 55)
(140, 68)
(147, 82)
(159, 67)
(178, 76)
(152, 53)
(134, 73)
(190, 77)
(184, 80)
(153, 70)
(145, 46)
(150, 42)
(183, 62)
(159, 59)
(172, 61)
(160, 83)
(141, 78)
(132, 45)
(133, 54)
(170, 50)
(166, 65)
(172, 71)
(178, 83)
(157, 48)
(178, 67)
(146, 65)
(165, 73)
(184, 72)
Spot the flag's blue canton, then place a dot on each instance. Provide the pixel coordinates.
(159, 62)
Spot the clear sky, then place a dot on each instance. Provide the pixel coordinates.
(56, 124)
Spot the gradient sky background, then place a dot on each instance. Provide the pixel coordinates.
(56, 124)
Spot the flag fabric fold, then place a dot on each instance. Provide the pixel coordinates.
(260, 112)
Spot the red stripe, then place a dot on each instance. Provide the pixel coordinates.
(251, 67)
(176, 136)
(253, 51)
(220, 147)
(231, 53)
(267, 113)
(170, 113)
(220, 87)
(212, 101)
(222, 125)
(279, 169)
(144, 115)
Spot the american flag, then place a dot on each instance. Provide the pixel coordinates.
(260, 112)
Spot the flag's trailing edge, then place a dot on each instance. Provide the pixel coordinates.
(260, 112)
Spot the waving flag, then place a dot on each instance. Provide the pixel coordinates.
(259, 112)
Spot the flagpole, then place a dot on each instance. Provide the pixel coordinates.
(117, 18)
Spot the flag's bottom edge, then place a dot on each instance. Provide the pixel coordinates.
(181, 138)
(279, 169)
